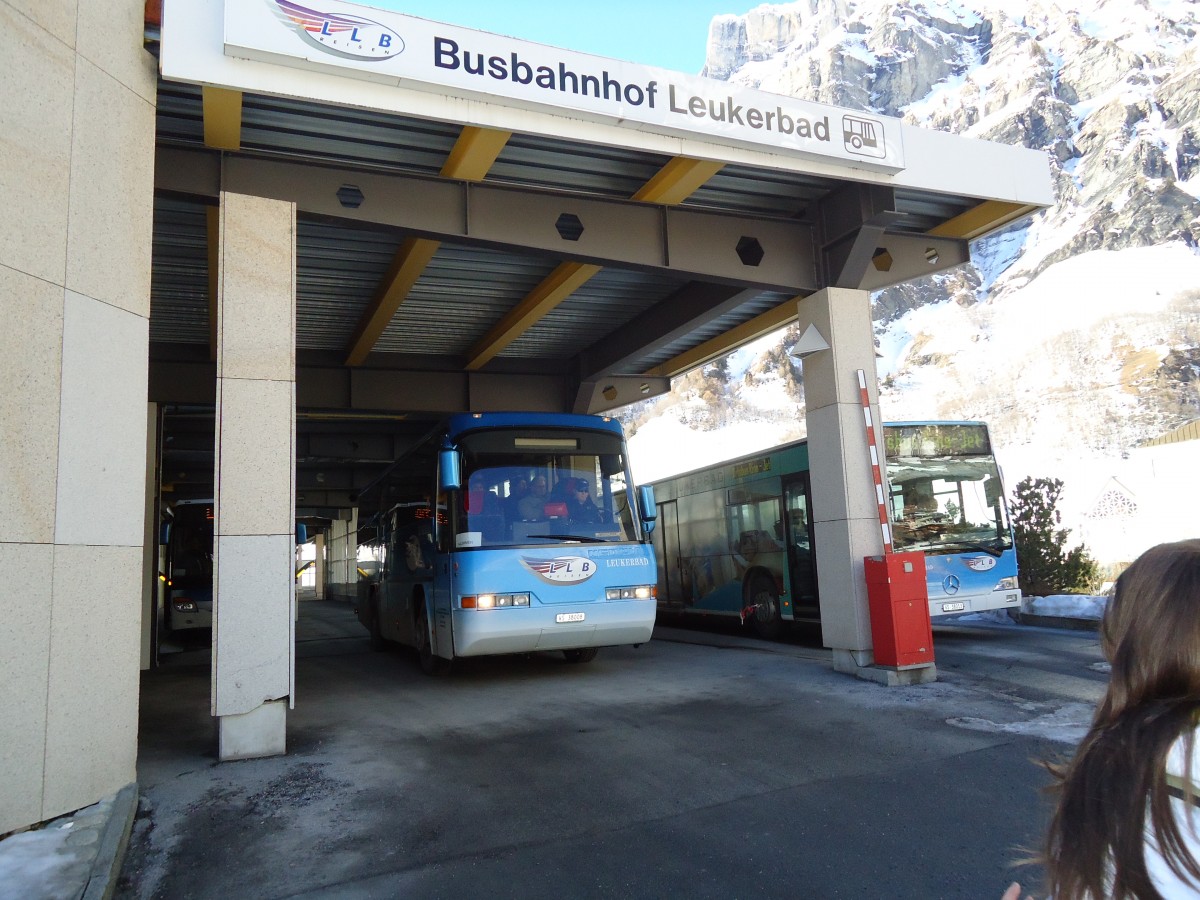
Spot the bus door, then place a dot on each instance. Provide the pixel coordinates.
(666, 541)
(802, 561)
(445, 564)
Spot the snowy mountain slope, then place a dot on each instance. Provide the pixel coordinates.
(1076, 334)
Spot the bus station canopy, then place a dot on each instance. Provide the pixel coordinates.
(485, 223)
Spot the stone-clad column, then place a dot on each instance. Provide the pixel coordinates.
(319, 566)
(76, 194)
(254, 580)
(845, 511)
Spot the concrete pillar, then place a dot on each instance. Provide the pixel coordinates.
(76, 189)
(343, 556)
(319, 565)
(845, 511)
(254, 583)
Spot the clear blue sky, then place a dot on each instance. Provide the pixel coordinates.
(670, 34)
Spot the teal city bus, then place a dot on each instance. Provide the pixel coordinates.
(736, 539)
(511, 533)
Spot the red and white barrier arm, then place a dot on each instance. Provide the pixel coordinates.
(876, 470)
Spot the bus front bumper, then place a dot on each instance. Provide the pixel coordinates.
(973, 603)
(483, 632)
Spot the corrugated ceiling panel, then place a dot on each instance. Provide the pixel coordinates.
(564, 165)
(179, 273)
(346, 135)
(609, 299)
(338, 271)
(742, 189)
(463, 292)
(762, 303)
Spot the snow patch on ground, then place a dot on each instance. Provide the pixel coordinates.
(1068, 606)
(1066, 724)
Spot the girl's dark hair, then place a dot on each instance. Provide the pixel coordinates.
(1151, 634)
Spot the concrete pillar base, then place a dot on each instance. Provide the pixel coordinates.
(888, 676)
(850, 661)
(258, 733)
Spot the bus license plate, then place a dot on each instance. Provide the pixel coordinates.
(570, 617)
(953, 607)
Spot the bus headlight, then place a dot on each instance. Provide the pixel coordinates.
(183, 604)
(493, 601)
(633, 592)
(1006, 584)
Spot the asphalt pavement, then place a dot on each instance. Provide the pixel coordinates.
(704, 764)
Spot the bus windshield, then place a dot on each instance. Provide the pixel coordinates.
(945, 489)
(524, 486)
(190, 545)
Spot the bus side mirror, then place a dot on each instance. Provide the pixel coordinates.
(647, 508)
(301, 533)
(449, 476)
(164, 535)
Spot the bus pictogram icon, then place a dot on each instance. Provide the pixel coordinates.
(863, 137)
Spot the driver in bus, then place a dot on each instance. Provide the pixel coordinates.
(533, 505)
(580, 507)
(920, 510)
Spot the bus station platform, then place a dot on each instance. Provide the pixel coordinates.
(705, 761)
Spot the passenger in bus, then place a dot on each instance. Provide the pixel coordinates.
(512, 503)
(580, 508)
(1128, 816)
(479, 500)
(533, 505)
(485, 512)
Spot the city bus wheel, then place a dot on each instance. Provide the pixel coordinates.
(376, 641)
(765, 602)
(431, 664)
(581, 654)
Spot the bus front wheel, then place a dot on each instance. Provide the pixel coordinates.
(764, 602)
(431, 664)
(580, 654)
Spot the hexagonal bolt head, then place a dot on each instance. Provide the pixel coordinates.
(350, 196)
(569, 227)
(750, 251)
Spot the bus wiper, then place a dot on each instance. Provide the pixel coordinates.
(975, 545)
(585, 538)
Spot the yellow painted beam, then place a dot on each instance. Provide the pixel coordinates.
(474, 153)
(987, 216)
(671, 185)
(722, 344)
(222, 118)
(407, 265)
(470, 159)
(213, 220)
(554, 289)
(677, 180)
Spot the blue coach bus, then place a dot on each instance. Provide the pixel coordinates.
(512, 533)
(736, 539)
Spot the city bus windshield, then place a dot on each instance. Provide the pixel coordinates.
(528, 486)
(190, 545)
(946, 493)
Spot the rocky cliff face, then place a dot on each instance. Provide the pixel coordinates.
(1075, 332)
(1107, 88)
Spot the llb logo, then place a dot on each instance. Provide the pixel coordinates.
(350, 37)
(560, 569)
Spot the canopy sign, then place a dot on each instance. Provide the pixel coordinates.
(390, 48)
